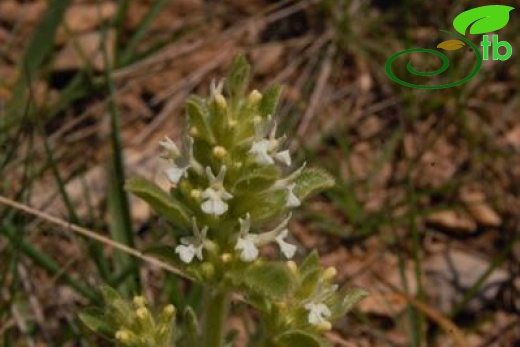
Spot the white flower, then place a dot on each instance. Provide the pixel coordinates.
(246, 242)
(265, 151)
(191, 246)
(317, 313)
(171, 151)
(215, 88)
(215, 195)
(286, 248)
(180, 162)
(292, 199)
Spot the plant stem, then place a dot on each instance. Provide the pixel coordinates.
(216, 310)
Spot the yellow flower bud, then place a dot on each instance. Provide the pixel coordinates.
(324, 326)
(226, 257)
(123, 335)
(219, 152)
(194, 131)
(195, 194)
(169, 310)
(139, 301)
(254, 97)
(142, 313)
(292, 266)
(220, 101)
(208, 270)
(329, 273)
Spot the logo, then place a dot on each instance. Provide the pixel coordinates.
(479, 20)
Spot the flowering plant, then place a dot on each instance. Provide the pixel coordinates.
(230, 181)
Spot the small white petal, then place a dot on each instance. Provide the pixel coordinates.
(215, 207)
(186, 252)
(286, 248)
(292, 199)
(260, 149)
(317, 313)
(249, 251)
(174, 173)
(172, 151)
(284, 157)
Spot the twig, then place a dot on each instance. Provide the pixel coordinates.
(90, 234)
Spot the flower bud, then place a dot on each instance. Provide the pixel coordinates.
(292, 266)
(220, 101)
(208, 270)
(226, 257)
(329, 273)
(169, 310)
(232, 123)
(142, 313)
(139, 301)
(324, 326)
(254, 97)
(194, 131)
(124, 335)
(196, 194)
(219, 152)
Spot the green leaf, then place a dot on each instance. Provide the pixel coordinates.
(191, 326)
(159, 200)
(95, 320)
(238, 77)
(271, 279)
(483, 19)
(310, 264)
(110, 294)
(167, 254)
(269, 102)
(300, 338)
(198, 117)
(312, 181)
(258, 179)
(346, 303)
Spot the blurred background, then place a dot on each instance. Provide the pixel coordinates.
(425, 213)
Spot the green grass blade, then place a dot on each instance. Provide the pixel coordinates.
(118, 205)
(126, 56)
(38, 50)
(9, 231)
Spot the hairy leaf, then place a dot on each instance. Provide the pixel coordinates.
(312, 181)
(269, 102)
(95, 320)
(238, 77)
(158, 199)
(347, 301)
(270, 279)
(300, 338)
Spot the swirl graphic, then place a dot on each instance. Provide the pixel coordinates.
(444, 67)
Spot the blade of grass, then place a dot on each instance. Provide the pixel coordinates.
(9, 231)
(37, 52)
(119, 20)
(126, 56)
(118, 205)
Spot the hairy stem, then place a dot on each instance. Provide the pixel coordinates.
(216, 310)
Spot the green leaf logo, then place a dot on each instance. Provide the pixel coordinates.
(482, 19)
